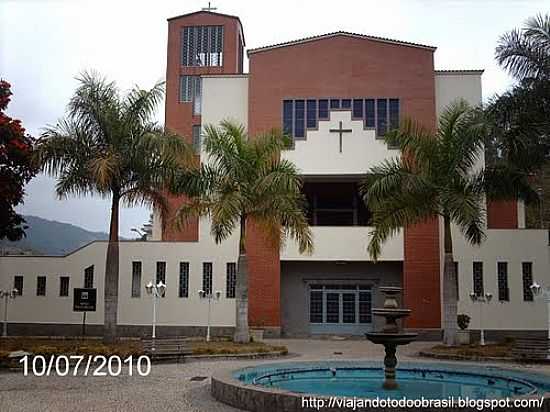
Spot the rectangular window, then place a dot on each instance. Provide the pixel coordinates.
(288, 111)
(334, 103)
(64, 286)
(191, 92)
(456, 281)
(527, 277)
(202, 46)
(18, 284)
(89, 277)
(394, 114)
(316, 306)
(323, 109)
(207, 277)
(346, 103)
(478, 278)
(357, 108)
(381, 116)
(197, 138)
(183, 291)
(369, 113)
(333, 307)
(365, 306)
(136, 279)
(41, 286)
(311, 118)
(161, 274)
(231, 280)
(348, 307)
(299, 118)
(502, 279)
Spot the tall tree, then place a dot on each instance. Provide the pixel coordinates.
(109, 146)
(16, 168)
(439, 174)
(242, 181)
(520, 118)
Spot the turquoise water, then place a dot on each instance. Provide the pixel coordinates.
(364, 379)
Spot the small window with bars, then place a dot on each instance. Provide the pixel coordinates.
(183, 291)
(502, 279)
(191, 92)
(64, 286)
(197, 138)
(41, 286)
(207, 277)
(527, 277)
(478, 278)
(89, 277)
(231, 280)
(18, 284)
(136, 279)
(316, 306)
(161, 272)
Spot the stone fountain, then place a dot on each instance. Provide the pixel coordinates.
(391, 336)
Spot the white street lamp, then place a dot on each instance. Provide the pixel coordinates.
(156, 291)
(204, 295)
(542, 292)
(6, 295)
(481, 299)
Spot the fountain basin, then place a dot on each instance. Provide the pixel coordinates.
(282, 386)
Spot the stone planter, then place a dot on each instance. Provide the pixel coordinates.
(257, 335)
(463, 337)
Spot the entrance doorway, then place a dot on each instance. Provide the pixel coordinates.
(340, 309)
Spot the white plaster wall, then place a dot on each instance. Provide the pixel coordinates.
(347, 243)
(320, 153)
(504, 245)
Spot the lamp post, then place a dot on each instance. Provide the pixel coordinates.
(544, 292)
(204, 295)
(481, 299)
(6, 295)
(156, 291)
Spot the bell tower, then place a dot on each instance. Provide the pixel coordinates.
(199, 43)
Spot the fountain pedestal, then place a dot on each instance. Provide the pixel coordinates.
(391, 336)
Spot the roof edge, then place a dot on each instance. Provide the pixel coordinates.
(339, 33)
(459, 71)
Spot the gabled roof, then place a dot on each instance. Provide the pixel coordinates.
(339, 33)
(214, 14)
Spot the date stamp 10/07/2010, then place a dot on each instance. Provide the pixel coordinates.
(81, 365)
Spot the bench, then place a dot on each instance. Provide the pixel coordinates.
(166, 348)
(530, 349)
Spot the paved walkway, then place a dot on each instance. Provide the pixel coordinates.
(168, 387)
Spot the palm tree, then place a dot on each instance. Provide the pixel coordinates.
(243, 181)
(438, 174)
(109, 145)
(525, 53)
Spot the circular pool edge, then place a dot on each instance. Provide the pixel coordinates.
(229, 390)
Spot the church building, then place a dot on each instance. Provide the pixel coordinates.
(336, 94)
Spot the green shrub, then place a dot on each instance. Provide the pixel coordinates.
(463, 321)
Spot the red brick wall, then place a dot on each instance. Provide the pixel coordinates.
(502, 215)
(179, 116)
(346, 67)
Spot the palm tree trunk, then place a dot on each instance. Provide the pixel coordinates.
(111, 276)
(450, 293)
(242, 334)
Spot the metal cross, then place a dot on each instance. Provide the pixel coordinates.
(341, 132)
(209, 8)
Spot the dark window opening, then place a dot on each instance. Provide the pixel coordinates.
(207, 277)
(89, 277)
(358, 108)
(381, 116)
(369, 113)
(231, 280)
(64, 286)
(323, 109)
(299, 108)
(18, 284)
(502, 276)
(183, 291)
(41, 286)
(311, 118)
(478, 278)
(335, 204)
(527, 277)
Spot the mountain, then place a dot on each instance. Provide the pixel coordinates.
(48, 237)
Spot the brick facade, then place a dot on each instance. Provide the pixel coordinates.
(502, 215)
(347, 66)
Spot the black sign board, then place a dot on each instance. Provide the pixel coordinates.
(84, 300)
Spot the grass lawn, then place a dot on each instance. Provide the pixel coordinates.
(45, 346)
(493, 350)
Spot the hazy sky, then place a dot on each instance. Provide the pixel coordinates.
(45, 43)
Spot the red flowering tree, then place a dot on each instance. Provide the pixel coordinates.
(16, 168)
